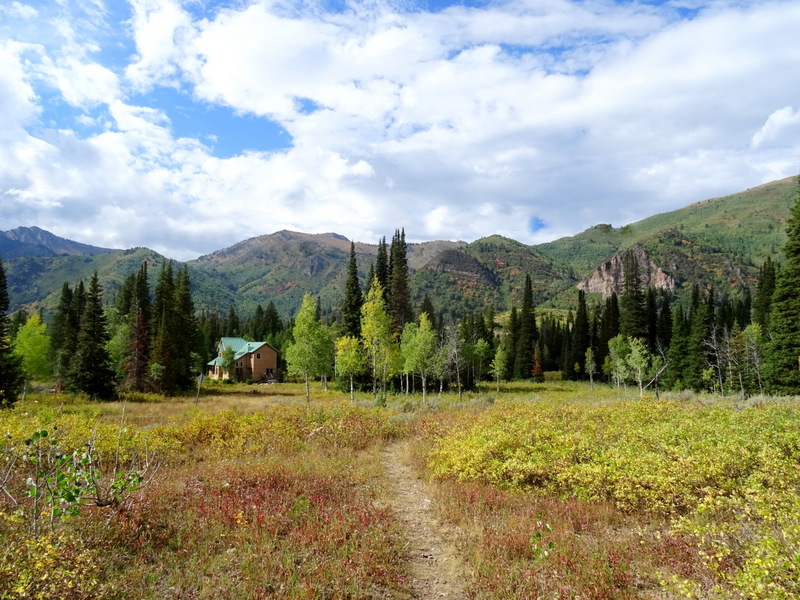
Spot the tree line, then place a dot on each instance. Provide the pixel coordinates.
(151, 338)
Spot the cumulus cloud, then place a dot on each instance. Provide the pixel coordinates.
(528, 119)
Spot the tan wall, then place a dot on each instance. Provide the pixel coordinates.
(250, 367)
(268, 363)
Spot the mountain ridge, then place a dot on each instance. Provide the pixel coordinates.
(719, 241)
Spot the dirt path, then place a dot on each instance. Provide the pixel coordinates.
(436, 569)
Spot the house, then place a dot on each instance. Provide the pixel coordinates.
(257, 361)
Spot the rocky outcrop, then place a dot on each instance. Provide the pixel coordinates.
(607, 278)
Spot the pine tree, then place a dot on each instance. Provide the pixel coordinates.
(767, 275)
(512, 338)
(632, 307)
(90, 371)
(165, 336)
(399, 303)
(651, 318)
(664, 325)
(186, 333)
(580, 337)
(353, 298)
(11, 376)
(782, 356)
(139, 319)
(126, 294)
(523, 361)
(64, 335)
(272, 320)
(382, 269)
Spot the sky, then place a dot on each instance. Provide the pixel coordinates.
(189, 125)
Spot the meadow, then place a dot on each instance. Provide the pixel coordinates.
(553, 490)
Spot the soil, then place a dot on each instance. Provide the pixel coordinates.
(434, 564)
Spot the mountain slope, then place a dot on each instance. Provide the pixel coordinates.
(33, 241)
(750, 224)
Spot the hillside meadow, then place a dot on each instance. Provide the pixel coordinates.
(553, 490)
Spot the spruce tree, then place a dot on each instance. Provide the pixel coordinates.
(399, 303)
(186, 332)
(580, 337)
(272, 320)
(90, 371)
(678, 353)
(632, 307)
(651, 318)
(782, 356)
(513, 342)
(664, 325)
(139, 319)
(382, 269)
(11, 376)
(765, 288)
(523, 361)
(64, 335)
(165, 334)
(353, 298)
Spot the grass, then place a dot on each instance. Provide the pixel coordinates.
(558, 490)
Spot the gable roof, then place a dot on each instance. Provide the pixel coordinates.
(240, 346)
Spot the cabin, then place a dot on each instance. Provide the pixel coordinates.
(256, 361)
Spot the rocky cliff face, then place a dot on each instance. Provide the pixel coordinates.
(608, 277)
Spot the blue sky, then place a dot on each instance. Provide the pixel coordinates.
(187, 126)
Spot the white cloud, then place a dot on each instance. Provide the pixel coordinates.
(455, 124)
(781, 127)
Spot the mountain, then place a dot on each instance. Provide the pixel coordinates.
(281, 267)
(719, 242)
(33, 241)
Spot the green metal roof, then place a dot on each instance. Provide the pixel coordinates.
(240, 347)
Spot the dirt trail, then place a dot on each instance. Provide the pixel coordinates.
(436, 569)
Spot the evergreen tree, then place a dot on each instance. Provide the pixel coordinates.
(512, 338)
(523, 361)
(609, 327)
(782, 356)
(126, 294)
(767, 275)
(11, 375)
(664, 325)
(677, 355)
(353, 298)
(399, 302)
(139, 319)
(651, 318)
(64, 335)
(17, 320)
(165, 336)
(632, 307)
(382, 269)
(272, 320)
(90, 369)
(186, 332)
(580, 337)
(233, 325)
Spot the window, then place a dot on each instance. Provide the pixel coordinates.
(258, 355)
